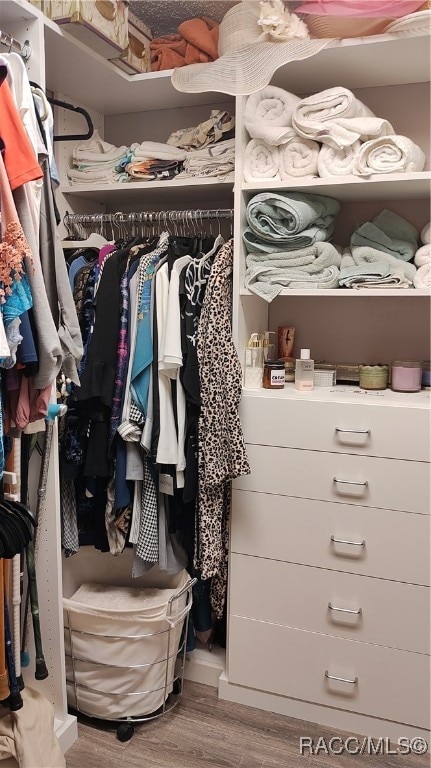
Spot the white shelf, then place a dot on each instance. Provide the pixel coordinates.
(350, 292)
(386, 60)
(347, 394)
(178, 191)
(388, 186)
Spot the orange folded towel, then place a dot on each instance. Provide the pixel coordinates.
(196, 43)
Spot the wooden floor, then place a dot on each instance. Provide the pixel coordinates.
(203, 732)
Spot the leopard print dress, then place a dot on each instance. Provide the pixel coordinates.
(221, 455)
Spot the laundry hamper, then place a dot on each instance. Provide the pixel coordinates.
(122, 649)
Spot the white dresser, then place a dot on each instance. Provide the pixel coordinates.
(329, 604)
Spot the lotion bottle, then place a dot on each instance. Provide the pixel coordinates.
(304, 372)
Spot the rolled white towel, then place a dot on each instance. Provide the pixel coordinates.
(337, 162)
(388, 154)
(426, 233)
(423, 255)
(422, 278)
(261, 161)
(268, 115)
(336, 117)
(298, 158)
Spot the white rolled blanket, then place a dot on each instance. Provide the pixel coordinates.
(268, 115)
(337, 162)
(298, 158)
(426, 233)
(423, 255)
(336, 117)
(388, 154)
(260, 161)
(422, 278)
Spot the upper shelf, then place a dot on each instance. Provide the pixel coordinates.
(350, 292)
(388, 186)
(83, 76)
(153, 193)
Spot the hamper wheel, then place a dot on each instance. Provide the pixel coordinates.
(125, 732)
(176, 688)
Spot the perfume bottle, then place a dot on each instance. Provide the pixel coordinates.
(253, 370)
(268, 346)
(304, 372)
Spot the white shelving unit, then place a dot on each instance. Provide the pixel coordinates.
(156, 193)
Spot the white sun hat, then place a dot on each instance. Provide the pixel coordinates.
(248, 56)
(414, 24)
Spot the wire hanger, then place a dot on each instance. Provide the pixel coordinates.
(94, 241)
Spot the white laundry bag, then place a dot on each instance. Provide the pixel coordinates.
(121, 646)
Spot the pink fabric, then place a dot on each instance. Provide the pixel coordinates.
(391, 9)
(105, 251)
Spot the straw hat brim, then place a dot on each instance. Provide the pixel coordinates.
(413, 25)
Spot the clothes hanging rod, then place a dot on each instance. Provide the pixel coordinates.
(24, 49)
(147, 217)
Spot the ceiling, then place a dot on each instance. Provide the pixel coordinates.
(165, 16)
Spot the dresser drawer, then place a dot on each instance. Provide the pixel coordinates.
(396, 544)
(391, 684)
(367, 428)
(384, 613)
(371, 482)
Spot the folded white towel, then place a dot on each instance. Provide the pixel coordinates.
(298, 158)
(422, 278)
(155, 150)
(268, 115)
(423, 255)
(337, 162)
(388, 154)
(96, 150)
(260, 161)
(95, 176)
(364, 254)
(426, 233)
(336, 117)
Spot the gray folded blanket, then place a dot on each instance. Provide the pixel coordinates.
(292, 219)
(389, 233)
(316, 266)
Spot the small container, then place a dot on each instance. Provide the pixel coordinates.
(373, 376)
(325, 378)
(273, 374)
(406, 376)
(268, 346)
(426, 375)
(304, 372)
(289, 370)
(253, 370)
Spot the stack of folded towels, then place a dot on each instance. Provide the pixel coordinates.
(330, 133)
(287, 243)
(381, 254)
(205, 150)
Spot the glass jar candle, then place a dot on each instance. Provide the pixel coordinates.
(373, 376)
(273, 374)
(406, 376)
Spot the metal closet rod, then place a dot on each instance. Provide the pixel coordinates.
(24, 49)
(148, 217)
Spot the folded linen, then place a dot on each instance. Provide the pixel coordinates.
(426, 233)
(336, 162)
(268, 115)
(213, 160)
(367, 255)
(422, 278)
(158, 151)
(423, 255)
(316, 266)
(149, 170)
(298, 158)
(390, 233)
(208, 132)
(375, 275)
(288, 221)
(260, 161)
(95, 176)
(336, 117)
(95, 150)
(388, 154)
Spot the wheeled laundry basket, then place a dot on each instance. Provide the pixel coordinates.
(125, 650)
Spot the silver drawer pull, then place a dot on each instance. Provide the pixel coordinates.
(350, 482)
(354, 431)
(344, 610)
(352, 543)
(341, 679)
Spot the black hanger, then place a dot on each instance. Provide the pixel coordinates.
(71, 108)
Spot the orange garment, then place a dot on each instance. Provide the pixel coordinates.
(19, 158)
(196, 43)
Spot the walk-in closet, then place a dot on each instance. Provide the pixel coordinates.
(215, 383)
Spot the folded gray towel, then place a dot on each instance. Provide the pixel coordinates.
(365, 255)
(389, 233)
(375, 275)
